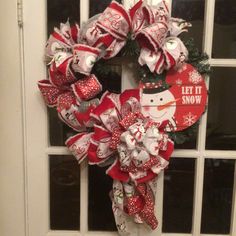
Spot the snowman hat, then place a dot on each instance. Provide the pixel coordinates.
(152, 87)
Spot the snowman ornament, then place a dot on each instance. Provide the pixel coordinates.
(181, 105)
(159, 107)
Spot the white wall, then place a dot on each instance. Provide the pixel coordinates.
(11, 141)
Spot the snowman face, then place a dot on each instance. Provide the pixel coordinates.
(159, 107)
(68, 116)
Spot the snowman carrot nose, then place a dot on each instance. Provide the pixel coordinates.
(168, 104)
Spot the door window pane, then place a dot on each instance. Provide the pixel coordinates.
(178, 196)
(221, 126)
(60, 11)
(224, 40)
(187, 138)
(98, 6)
(192, 11)
(100, 208)
(217, 196)
(64, 193)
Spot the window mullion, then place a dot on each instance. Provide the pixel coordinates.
(201, 140)
(197, 208)
(185, 153)
(208, 26)
(218, 154)
(176, 234)
(199, 171)
(233, 212)
(84, 15)
(223, 62)
(57, 150)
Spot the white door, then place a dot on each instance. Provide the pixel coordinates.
(196, 196)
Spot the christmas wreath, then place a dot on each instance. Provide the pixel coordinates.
(132, 132)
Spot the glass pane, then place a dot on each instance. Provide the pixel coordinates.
(61, 11)
(100, 210)
(224, 39)
(178, 196)
(59, 132)
(217, 196)
(98, 6)
(111, 80)
(192, 11)
(64, 193)
(187, 138)
(221, 126)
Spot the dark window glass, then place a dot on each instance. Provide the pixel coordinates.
(217, 196)
(178, 196)
(224, 38)
(59, 132)
(187, 139)
(191, 11)
(60, 11)
(64, 193)
(98, 6)
(100, 208)
(111, 81)
(221, 127)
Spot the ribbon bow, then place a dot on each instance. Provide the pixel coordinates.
(141, 147)
(70, 100)
(153, 28)
(160, 48)
(66, 53)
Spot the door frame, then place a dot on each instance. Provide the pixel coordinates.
(12, 161)
(24, 173)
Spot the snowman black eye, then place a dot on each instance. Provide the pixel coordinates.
(151, 100)
(161, 99)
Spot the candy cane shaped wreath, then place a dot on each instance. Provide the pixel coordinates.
(128, 132)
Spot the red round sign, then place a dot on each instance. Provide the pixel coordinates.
(190, 92)
(182, 104)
